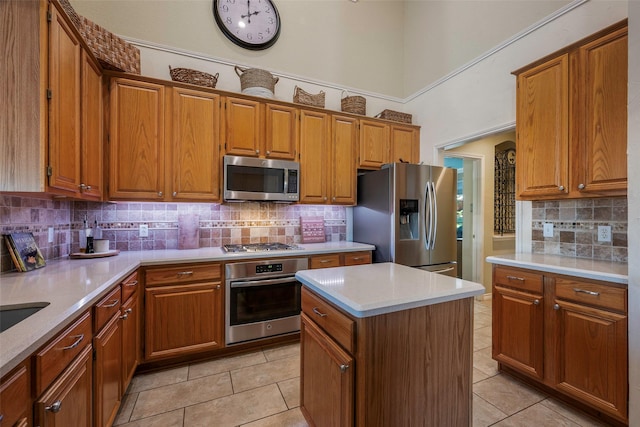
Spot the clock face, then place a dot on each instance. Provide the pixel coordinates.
(511, 157)
(251, 24)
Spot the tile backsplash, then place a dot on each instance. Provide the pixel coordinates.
(575, 228)
(120, 222)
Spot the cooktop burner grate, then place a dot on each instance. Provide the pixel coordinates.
(258, 247)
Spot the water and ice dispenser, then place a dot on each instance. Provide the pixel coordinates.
(409, 220)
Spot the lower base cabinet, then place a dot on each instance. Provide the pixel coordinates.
(67, 402)
(566, 333)
(108, 372)
(15, 397)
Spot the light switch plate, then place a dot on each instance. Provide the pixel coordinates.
(50, 235)
(144, 230)
(604, 233)
(547, 230)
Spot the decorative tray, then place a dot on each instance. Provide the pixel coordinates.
(79, 255)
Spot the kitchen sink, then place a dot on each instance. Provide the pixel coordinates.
(11, 315)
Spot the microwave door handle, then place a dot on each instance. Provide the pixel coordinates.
(249, 283)
(434, 215)
(286, 181)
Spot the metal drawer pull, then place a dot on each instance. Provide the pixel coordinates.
(343, 368)
(55, 407)
(520, 279)
(357, 258)
(124, 316)
(76, 343)
(185, 273)
(584, 291)
(134, 283)
(113, 304)
(316, 311)
(324, 261)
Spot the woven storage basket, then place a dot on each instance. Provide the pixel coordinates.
(302, 97)
(353, 104)
(111, 51)
(396, 116)
(71, 13)
(254, 81)
(194, 77)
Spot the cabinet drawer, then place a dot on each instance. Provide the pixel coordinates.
(129, 286)
(335, 323)
(595, 294)
(182, 274)
(56, 356)
(106, 308)
(518, 279)
(357, 258)
(325, 261)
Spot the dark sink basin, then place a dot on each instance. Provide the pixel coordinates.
(11, 315)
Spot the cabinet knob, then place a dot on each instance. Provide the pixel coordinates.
(325, 198)
(536, 302)
(580, 186)
(159, 193)
(175, 193)
(84, 187)
(561, 188)
(217, 287)
(55, 407)
(124, 316)
(556, 307)
(333, 198)
(343, 368)
(268, 153)
(257, 151)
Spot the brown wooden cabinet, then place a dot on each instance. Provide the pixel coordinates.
(339, 259)
(131, 329)
(183, 310)
(373, 144)
(573, 339)
(282, 134)
(315, 130)
(405, 144)
(68, 401)
(193, 128)
(15, 397)
(136, 140)
(571, 120)
(343, 160)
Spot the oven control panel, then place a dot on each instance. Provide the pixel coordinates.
(268, 268)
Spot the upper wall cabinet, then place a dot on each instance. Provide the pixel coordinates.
(53, 124)
(405, 144)
(374, 144)
(571, 120)
(255, 129)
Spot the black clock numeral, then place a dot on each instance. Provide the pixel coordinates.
(225, 8)
(231, 1)
(268, 30)
(249, 36)
(267, 9)
(270, 21)
(260, 36)
(228, 20)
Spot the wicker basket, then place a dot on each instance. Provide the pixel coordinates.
(396, 116)
(353, 104)
(194, 77)
(254, 81)
(302, 97)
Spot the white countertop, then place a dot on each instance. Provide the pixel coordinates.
(373, 289)
(580, 267)
(73, 286)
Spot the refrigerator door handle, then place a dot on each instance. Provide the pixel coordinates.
(434, 215)
(427, 216)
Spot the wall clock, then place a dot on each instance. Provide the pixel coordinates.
(511, 157)
(251, 24)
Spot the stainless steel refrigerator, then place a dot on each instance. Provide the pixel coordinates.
(409, 213)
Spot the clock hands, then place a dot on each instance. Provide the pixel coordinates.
(249, 13)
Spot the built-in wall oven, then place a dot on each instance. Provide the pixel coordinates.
(262, 299)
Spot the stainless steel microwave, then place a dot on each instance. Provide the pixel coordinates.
(249, 178)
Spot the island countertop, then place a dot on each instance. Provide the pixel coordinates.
(373, 289)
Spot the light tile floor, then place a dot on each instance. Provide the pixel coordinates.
(261, 389)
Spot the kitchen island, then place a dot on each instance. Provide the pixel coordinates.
(385, 344)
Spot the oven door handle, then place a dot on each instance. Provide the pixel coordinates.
(249, 283)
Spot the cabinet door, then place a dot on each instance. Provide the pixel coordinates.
(15, 397)
(136, 169)
(344, 140)
(183, 319)
(242, 127)
(600, 139)
(327, 390)
(131, 334)
(518, 330)
(107, 380)
(405, 144)
(591, 356)
(314, 156)
(374, 144)
(91, 155)
(542, 130)
(68, 401)
(64, 105)
(282, 134)
(194, 145)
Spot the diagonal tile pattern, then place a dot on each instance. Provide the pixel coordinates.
(262, 389)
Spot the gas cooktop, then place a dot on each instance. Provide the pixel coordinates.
(258, 247)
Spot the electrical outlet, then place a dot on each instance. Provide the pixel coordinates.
(604, 233)
(144, 230)
(50, 235)
(547, 230)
